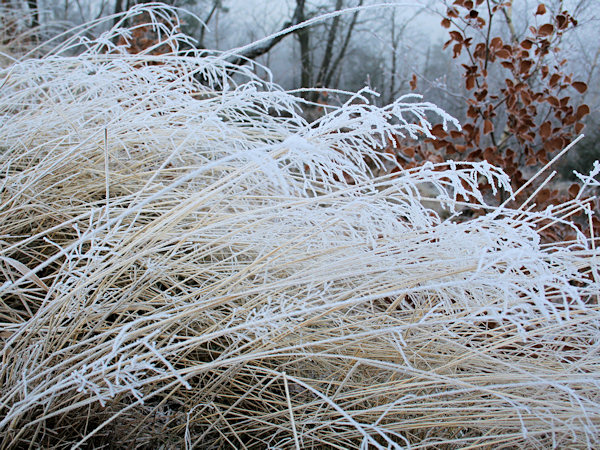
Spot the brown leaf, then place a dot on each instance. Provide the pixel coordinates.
(570, 119)
(476, 155)
(413, 82)
(546, 29)
(470, 82)
(525, 66)
(489, 154)
(545, 130)
(562, 21)
(455, 35)
(574, 189)
(456, 49)
(409, 151)
(554, 79)
(553, 101)
(582, 111)
(542, 196)
(541, 9)
(503, 53)
(496, 43)
(446, 23)
(579, 128)
(527, 44)
(580, 86)
(438, 131)
(488, 127)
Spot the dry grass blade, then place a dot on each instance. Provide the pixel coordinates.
(187, 263)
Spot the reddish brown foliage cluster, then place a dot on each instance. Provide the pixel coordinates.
(145, 36)
(518, 124)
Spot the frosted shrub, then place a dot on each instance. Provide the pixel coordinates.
(187, 262)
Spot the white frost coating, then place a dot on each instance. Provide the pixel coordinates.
(243, 242)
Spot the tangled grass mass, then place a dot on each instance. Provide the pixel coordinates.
(186, 262)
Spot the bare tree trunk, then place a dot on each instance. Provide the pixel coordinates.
(329, 47)
(216, 4)
(118, 10)
(334, 66)
(394, 57)
(304, 41)
(35, 17)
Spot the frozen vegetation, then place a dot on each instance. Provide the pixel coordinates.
(186, 262)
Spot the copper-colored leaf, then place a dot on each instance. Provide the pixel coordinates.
(582, 111)
(456, 50)
(562, 21)
(553, 101)
(580, 86)
(456, 36)
(409, 151)
(446, 23)
(545, 130)
(527, 44)
(470, 82)
(496, 43)
(579, 128)
(554, 79)
(525, 66)
(413, 82)
(438, 131)
(546, 29)
(541, 9)
(472, 112)
(569, 119)
(488, 154)
(488, 127)
(476, 155)
(574, 189)
(543, 196)
(503, 53)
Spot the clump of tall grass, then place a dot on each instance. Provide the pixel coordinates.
(186, 262)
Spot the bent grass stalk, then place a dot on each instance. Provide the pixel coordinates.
(254, 284)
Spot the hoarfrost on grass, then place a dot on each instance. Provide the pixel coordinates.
(185, 237)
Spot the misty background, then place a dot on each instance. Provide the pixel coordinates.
(392, 47)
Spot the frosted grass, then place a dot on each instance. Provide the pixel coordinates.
(192, 264)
